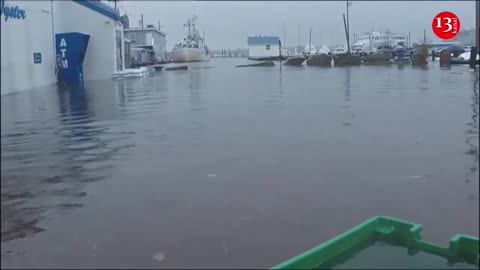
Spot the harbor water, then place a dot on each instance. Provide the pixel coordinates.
(233, 167)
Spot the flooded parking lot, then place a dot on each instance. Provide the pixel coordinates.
(226, 167)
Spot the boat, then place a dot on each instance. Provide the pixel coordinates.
(400, 57)
(192, 48)
(346, 59)
(378, 58)
(260, 64)
(295, 60)
(385, 242)
(320, 60)
(339, 50)
(464, 59)
(419, 56)
(268, 58)
(367, 42)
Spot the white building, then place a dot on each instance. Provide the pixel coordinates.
(28, 48)
(149, 38)
(263, 46)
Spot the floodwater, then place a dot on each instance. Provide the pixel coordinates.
(234, 167)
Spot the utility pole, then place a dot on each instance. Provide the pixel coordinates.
(141, 20)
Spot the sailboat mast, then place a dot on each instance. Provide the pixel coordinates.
(348, 29)
(370, 40)
(284, 37)
(310, 42)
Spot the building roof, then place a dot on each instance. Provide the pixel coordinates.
(100, 8)
(145, 29)
(262, 40)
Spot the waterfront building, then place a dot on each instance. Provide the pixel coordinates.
(263, 46)
(29, 53)
(149, 38)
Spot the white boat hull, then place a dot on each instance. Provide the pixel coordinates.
(189, 55)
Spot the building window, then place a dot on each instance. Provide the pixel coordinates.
(132, 37)
(267, 47)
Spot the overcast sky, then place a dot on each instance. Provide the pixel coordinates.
(227, 24)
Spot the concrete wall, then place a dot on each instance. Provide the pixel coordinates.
(73, 17)
(261, 51)
(20, 38)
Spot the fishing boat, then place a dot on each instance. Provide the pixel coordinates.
(192, 48)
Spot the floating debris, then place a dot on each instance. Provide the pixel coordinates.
(159, 256)
(201, 67)
(177, 68)
(131, 73)
(158, 67)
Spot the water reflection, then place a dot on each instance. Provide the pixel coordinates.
(274, 92)
(47, 169)
(196, 86)
(348, 115)
(472, 133)
(167, 168)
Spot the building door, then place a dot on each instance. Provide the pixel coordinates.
(119, 50)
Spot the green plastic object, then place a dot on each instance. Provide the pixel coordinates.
(385, 242)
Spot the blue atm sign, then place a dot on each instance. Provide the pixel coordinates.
(14, 12)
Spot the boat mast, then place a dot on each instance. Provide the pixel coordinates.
(348, 27)
(346, 33)
(188, 24)
(370, 40)
(310, 42)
